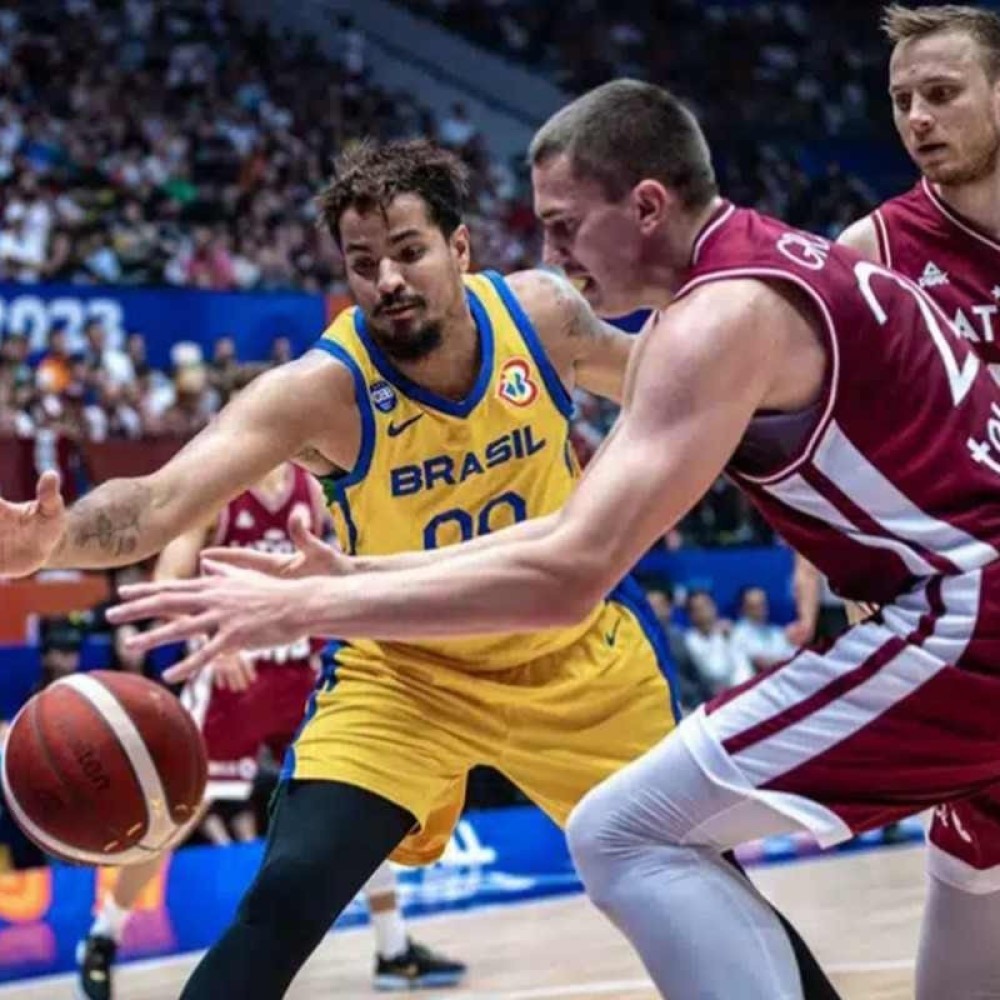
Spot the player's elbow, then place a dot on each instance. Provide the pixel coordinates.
(575, 584)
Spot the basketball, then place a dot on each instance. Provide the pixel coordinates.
(103, 768)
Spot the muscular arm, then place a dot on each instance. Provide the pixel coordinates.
(179, 560)
(584, 349)
(681, 422)
(278, 415)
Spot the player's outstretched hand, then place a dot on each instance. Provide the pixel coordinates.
(29, 532)
(235, 608)
(312, 557)
(234, 672)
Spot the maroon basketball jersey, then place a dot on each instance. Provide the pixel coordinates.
(894, 474)
(953, 262)
(254, 521)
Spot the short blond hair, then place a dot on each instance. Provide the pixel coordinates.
(902, 24)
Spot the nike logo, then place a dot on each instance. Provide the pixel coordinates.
(396, 429)
(611, 637)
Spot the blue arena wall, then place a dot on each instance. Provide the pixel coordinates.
(496, 856)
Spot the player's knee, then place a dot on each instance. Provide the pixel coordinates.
(599, 845)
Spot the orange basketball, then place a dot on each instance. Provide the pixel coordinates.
(103, 768)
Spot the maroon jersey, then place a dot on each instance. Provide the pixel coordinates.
(254, 521)
(953, 262)
(893, 476)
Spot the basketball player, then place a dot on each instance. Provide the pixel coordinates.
(243, 704)
(944, 233)
(438, 410)
(847, 407)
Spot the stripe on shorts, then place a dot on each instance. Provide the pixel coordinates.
(801, 710)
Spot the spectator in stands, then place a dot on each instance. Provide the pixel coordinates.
(53, 372)
(757, 639)
(14, 422)
(111, 364)
(693, 690)
(61, 640)
(718, 663)
(22, 254)
(281, 350)
(191, 410)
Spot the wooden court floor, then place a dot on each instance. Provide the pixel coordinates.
(860, 912)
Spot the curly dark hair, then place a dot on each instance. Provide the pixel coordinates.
(370, 175)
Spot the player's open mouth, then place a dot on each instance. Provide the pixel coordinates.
(930, 148)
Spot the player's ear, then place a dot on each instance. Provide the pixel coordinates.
(652, 203)
(461, 247)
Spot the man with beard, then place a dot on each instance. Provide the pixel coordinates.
(436, 411)
(841, 401)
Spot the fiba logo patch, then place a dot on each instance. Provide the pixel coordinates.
(383, 396)
(515, 384)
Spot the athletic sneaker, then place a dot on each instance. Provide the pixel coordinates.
(95, 956)
(417, 968)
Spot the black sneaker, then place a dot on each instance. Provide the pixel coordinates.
(417, 968)
(95, 956)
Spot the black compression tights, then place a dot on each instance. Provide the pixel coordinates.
(326, 839)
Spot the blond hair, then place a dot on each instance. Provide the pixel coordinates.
(902, 24)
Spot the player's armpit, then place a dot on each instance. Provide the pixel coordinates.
(584, 349)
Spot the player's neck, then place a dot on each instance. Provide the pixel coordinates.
(687, 233)
(979, 202)
(451, 369)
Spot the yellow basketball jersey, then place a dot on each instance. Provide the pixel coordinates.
(432, 472)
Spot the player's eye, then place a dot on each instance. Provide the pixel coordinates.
(562, 229)
(941, 95)
(411, 254)
(365, 267)
(902, 102)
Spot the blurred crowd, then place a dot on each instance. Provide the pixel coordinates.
(146, 142)
(173, 143)
(770, 69)
(103, 392)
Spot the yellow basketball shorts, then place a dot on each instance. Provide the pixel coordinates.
(555, 726)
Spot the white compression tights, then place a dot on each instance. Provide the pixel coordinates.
(647, 844)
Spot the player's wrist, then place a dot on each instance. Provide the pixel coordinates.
(306, 606)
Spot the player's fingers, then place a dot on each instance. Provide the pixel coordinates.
(194, 663)
(212, 568)
(261, 562)
(157, 605)
(298, 528)
(47, 494)
(133, 591)
(249, 671)
(177, 630)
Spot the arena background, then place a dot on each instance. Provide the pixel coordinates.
(157, 163)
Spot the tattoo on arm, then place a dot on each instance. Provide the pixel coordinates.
(109, 526)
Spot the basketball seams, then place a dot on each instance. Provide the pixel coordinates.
(77, 799)
(51, 845)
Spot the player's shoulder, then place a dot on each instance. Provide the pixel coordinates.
(341, 328)
(551, 303)
(862, 235)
